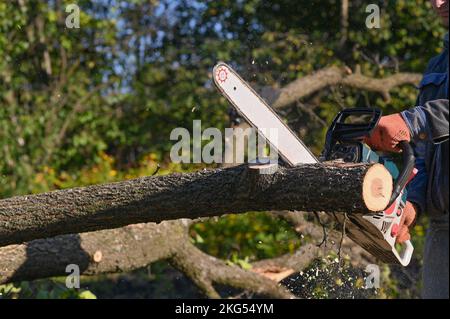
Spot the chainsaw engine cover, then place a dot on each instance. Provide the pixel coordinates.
(349, 153)
(344, 139)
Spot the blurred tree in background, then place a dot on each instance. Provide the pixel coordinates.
(96, 104)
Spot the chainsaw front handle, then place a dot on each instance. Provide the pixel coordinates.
(409, 161)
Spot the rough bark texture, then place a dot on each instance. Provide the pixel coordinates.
(201, 194)
(122, 249)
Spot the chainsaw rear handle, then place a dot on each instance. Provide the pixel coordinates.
(409, 161)
(406, 255)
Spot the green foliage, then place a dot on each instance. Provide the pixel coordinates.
(43, 289)
(52, 107)
(121, 90)
(244, 238)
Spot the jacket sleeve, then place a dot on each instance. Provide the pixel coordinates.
(429, 121)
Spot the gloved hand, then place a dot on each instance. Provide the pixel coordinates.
(391, 130)
(407, 221)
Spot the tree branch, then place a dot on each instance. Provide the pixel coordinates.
(382, 86)
(206, 270)
(344, 22)
(332, 76)
(122, 249)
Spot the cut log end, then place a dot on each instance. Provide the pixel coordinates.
(377, 188)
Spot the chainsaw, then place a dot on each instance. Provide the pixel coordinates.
(375, 232)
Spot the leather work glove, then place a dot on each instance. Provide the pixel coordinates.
(406, 222)
(391, 130)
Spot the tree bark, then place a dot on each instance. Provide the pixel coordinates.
(344, 22)
(115, 250)
(206, 193)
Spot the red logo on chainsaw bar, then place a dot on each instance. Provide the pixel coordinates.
(222, 74)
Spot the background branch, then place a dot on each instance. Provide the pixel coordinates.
(332, 76)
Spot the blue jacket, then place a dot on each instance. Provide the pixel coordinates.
(428, 123)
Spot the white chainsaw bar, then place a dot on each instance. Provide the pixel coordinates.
(261, 116)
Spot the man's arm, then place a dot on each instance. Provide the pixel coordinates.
(419, 124)
(427, 122)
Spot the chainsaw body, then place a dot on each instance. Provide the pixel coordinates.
(375, 232)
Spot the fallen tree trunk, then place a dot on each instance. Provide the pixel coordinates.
(330, 188)
(106, 251)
